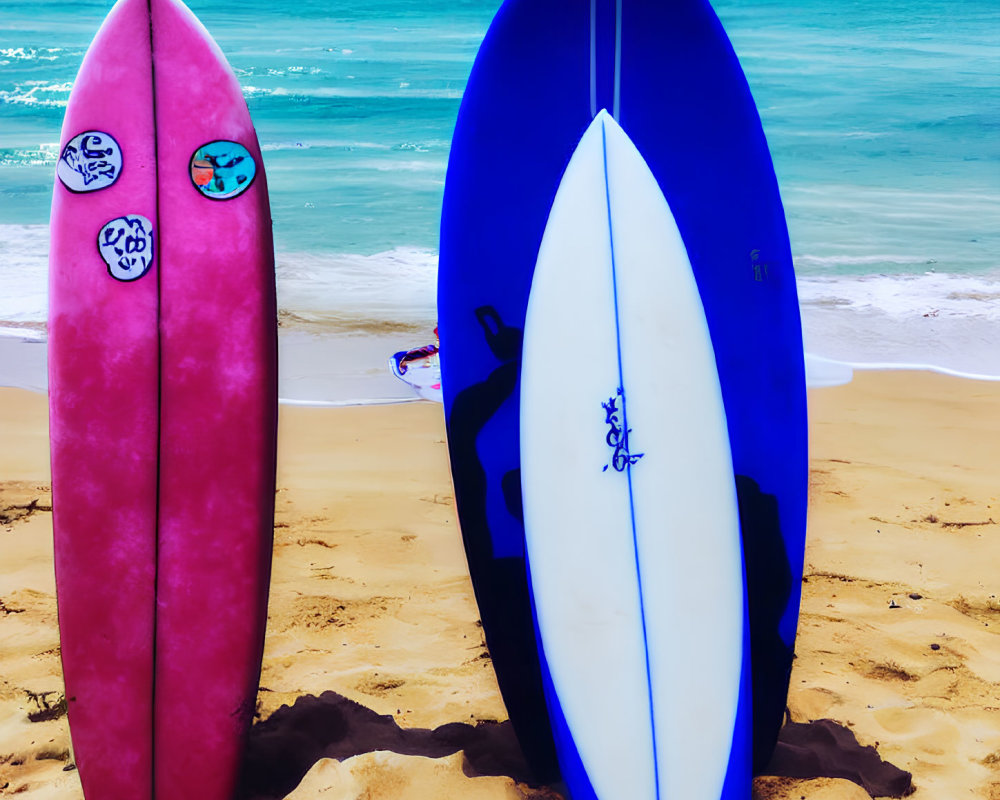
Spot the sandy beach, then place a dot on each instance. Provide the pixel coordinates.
(376, 682)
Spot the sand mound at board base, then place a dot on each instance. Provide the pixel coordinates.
(385, 774)
(771, 788)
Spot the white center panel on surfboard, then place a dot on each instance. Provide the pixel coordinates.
(630, 509)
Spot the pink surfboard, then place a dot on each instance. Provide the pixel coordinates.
(163, 407)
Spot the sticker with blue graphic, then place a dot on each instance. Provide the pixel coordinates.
(222, 170)
(126, 245)
(617, 437)
(90, 161)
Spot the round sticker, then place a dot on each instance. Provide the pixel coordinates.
(90, 161)
(222, 170)
(126, 245)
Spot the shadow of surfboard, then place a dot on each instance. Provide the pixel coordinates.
(282, 748)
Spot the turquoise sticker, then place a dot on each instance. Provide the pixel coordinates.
(222, 170)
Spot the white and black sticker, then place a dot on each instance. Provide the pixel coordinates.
(126, 245)
(90, 161)
(222, 170)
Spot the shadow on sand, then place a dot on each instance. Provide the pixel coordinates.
(282, 748)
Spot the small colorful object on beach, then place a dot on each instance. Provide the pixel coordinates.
(421, 369)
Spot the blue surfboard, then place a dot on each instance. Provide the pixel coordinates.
(668, 76)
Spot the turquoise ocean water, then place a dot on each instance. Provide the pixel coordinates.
(883, 118)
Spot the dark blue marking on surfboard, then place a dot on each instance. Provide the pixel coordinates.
(126, 245)
(617, 437)
(761, 269)
(90, 161)
(628, 467)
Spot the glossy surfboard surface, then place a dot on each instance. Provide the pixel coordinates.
(162, 354)
(667, 73)
(633, 541)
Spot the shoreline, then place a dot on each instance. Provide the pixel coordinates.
(372, 611)
(341, 369)
(349, 368)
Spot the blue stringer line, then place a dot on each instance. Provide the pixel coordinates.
(628, 466)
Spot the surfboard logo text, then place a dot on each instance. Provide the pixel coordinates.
(126, 245)
(617, 437)
(761, 269)
(222, 170)
(90, 161)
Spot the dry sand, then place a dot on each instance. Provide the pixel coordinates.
(375, 674)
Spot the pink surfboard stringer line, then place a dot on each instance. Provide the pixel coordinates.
(163, 407)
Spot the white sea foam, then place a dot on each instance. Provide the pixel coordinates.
(24, 256)
(940, 320)
(280, 72)
(277, 146)
(394, 286)
(37, 93)
(350, 92)
(397, 285)
(43, 155)
(903, 202)
(930, 294)
(934, 320)
(436, 166)
(26, 333)
(826, 372)
(808, 261)
(343, 144)
(9, 54)
(827, 133)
